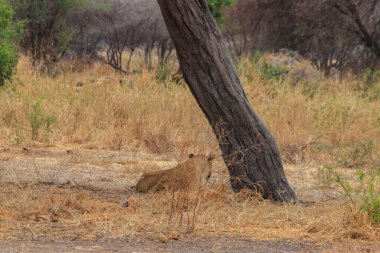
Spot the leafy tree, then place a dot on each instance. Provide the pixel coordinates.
(8, 35)
(47, 35)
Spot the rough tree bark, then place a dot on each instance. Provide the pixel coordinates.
(249, 150)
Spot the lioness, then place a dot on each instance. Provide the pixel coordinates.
(190, 175)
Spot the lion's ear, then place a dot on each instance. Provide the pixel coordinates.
(191, 156)
(210, 158)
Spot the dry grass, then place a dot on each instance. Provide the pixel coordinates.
(312, 122)
(164, 117)
(30, 212)
(104, 114)
(70, 211)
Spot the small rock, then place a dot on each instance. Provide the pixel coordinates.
(124, 203)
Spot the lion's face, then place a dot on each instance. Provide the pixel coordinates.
(204, 163)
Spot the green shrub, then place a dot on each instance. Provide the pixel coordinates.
(265, 69)
(8, 61)
(37, 119)
(271, 72)
(217, 6)
(8, 35)
(370, 193)
(162, 73)
(365, 195)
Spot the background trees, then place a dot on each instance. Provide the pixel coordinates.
(46, 36)
(341, 35)
(129, 25)
(120, 29)
(335, 35)
(97, 29)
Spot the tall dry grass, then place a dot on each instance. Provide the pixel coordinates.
(323, 120)
(311, 120)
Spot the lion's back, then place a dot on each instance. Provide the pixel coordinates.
(188, 176)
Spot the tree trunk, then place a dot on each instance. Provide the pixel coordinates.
(249, 150)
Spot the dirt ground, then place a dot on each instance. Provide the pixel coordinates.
(187, 245)
(30, 175)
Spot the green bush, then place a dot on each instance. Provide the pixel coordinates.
(162, 73)
(370, 193)
(265, 68)
(216, 8)
(37, 119)
(270, 72)
(366, 195)
(8, 35)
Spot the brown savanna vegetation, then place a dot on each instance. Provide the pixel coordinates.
(318, 124)
(80, 124)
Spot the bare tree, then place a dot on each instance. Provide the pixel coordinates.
(120, 28)
(236, 30)
(322, 36)
(108, 34)
(249, 150)
(86, 24)
(333, 34)
(153, 32)
(363, 18)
